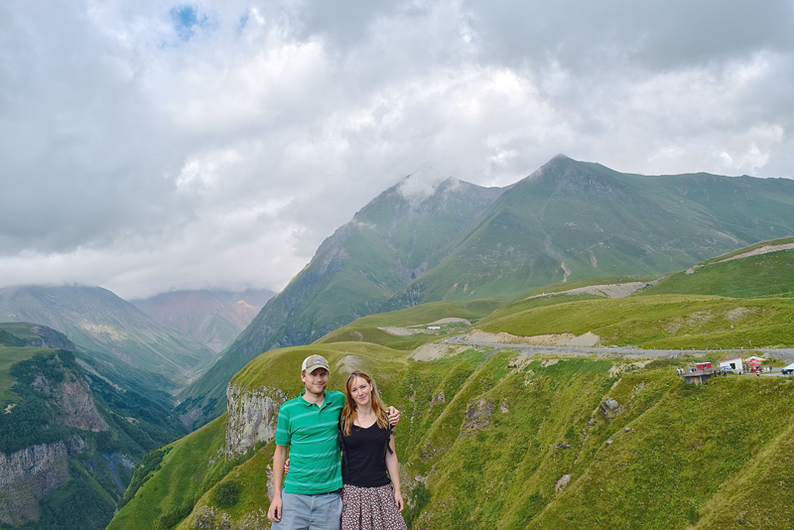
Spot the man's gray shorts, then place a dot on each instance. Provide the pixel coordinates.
(310, 512)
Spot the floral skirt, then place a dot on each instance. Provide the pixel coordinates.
(370, 509)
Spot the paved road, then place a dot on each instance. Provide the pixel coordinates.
(626, 352)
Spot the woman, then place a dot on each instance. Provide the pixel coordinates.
(371, 497)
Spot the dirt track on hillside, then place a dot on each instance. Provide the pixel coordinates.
(610, 290)
(766, 249)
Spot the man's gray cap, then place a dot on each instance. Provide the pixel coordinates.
(313, 362)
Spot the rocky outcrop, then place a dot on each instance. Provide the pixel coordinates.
(118, 462)
(78, 407)
(50, 339)
(440, 398)
(73, 401)
(250, 417)
(28, 475)
(478, 415)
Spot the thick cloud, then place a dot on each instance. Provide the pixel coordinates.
(146, 146)
(656, 34)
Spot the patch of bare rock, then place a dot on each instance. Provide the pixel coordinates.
(558, 339)
(612, 290)
(434, 351)
(766, 249)
(397, 331)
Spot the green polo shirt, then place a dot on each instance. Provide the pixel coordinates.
(311, 433)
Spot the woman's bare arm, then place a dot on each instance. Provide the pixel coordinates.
(393, 466)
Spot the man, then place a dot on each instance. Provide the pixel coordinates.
(307, 425)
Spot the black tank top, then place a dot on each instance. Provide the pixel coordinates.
(365, 457)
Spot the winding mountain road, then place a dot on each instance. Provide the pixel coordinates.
(626, 352)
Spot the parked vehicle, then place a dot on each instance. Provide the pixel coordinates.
(788, 369)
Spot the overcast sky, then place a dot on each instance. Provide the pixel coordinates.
(147, 146)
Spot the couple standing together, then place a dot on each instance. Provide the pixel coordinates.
(360, 492)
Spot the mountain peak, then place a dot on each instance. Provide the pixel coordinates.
(423, 184)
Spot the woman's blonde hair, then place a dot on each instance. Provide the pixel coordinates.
(348, 412)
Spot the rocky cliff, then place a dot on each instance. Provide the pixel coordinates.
(251, 417)
(72, 400)
(28, 475)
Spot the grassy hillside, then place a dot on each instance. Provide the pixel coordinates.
(8, 358)
(674, 450)
(661, 322)
(173, 477)
(21, 330)
(666, 455)
(368, 329)
(761, 246)
(558, 294)
(758, 276)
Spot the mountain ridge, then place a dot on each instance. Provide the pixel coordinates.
(598, 228)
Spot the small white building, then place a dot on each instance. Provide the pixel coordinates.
(733, 363)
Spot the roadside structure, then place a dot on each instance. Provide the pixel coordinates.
(732, 363)
(702, 372)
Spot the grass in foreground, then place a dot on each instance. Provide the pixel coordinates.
(486, 436)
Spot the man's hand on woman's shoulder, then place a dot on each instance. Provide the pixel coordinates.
(394, 416)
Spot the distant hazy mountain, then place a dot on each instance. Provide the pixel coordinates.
(567, 221)
(214, 318)
(386, 245)
(98, 320)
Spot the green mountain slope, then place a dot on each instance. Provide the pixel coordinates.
(513, 438)
(97, 320)
(756, 275)
(386, 245)
(413, 323)
(573, 220)
(491, 439)
(660, 322)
